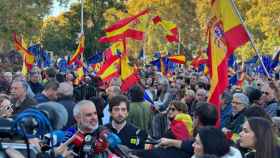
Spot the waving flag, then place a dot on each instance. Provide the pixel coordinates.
(79, 72)
(124, 22)
(170, 27)
(129, 74)
(79, 51)
(225, 33)
(179, 59)
(198, 61)
(27, 56)
(120, 30)
(110, 68)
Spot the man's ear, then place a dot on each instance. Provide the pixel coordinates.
(77, 118)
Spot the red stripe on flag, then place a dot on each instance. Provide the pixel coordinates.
(236, 37)
(129, 82)
(125, 21)
(130, 33)
(156, 19)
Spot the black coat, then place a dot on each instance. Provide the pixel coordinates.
(68, 103)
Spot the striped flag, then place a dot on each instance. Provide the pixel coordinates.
(225, 33)
(79, 51)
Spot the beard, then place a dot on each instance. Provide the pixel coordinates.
(120, 120)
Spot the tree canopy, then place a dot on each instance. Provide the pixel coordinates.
(59, 34)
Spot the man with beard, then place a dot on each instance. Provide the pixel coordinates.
(129, 134)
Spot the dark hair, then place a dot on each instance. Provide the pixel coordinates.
(136, 94)
(253, 94)
(206, 113)
(256, 111)
(51, 72)
(179, 106)
(52, 84)
(265, 139)
(116, 100)
(214, 141)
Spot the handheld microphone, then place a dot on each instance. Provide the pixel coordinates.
(58, 137)
(88, 142)
(114, 142)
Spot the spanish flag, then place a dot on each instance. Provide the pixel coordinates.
(110, 68)
(179, 59)
(28, 57)
(79, 71)
(129, 74)
(225, 33)
(120, 30)
(79, 50)
(170, 28)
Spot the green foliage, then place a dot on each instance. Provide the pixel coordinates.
(65, 28)
(21, 16)
(59, 34)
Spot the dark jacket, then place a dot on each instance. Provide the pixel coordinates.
(236, 122)
(27, 103)
(130, 136)
(68, 103)
(40, 98)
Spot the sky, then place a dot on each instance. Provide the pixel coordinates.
(57, 9)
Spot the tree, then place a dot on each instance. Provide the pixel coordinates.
(60, 33)
(22, 16)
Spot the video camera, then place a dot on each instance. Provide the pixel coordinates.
(32, 123)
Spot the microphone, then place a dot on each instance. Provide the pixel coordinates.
(57, 137)
(87, 148)
(114, 142)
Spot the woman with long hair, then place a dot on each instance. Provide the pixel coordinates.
(257, 134)
(212, 141)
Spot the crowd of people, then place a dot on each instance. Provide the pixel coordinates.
(160, 117)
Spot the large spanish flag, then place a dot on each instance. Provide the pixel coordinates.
(79, 51)
(225, 33)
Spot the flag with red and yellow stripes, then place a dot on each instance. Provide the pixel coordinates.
(79, 51)
(27, 56)
(225, 33)
(169, 27)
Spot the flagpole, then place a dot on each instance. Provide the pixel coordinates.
(250, 37)
(82, 16)
(179, 43)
